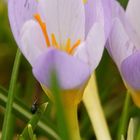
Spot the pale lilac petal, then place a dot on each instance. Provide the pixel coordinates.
(120, 44)
(133, 14)
(82, 53)
(19, 12)
(64, 18)
(107, 17)
(98, 11)
(91, 51)
(32, 41)
(130, 69)
(118, 12)
(90, 12)
(71, 72)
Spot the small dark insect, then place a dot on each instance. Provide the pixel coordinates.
(34, 107)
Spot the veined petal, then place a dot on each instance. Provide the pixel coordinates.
(130, 69)
(19, 12)
(64, 18)
(91, 52)
(97, 11)
(71, 72)
(118, 12)
(132, 12)
(32, 41)
(90, 14)
(107, 17)
(120, 44)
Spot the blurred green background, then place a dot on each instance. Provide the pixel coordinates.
(111, 88)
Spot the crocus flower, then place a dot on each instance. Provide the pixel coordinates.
(124, 44)
(67, 36)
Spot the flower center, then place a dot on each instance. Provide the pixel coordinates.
(84, 1)
(53, 42)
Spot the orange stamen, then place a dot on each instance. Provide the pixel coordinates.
(43, 27)
(68, 44)
(54, 42)
(74, 47)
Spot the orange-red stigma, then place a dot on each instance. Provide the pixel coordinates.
(69, 49)
(43, 27)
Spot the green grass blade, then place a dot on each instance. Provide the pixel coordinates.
(62, 125)
(8, 112)
(34, 121)
(23, 112)
(124, 118)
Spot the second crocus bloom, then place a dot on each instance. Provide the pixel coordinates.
(124, 44)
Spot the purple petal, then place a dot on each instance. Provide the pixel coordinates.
(132, 12)
(130, 70)
(123, 40)
(91, 51)
(98, 11)
(120, 45)
(19, 12)
(32, 41)
(118, 12)
(71, 72)
(107, 17)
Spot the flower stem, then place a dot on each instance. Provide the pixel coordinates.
(8, 112)
(66, 102)
(92, 103)
(138, 134)
(124, 118)
(70, 111)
